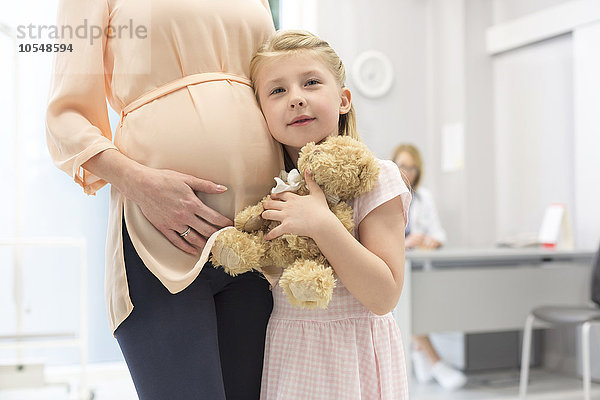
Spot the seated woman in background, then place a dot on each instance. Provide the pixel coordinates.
(424, 231)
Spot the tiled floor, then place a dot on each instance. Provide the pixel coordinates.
(505, 386)
(112, 382)
(106, 381)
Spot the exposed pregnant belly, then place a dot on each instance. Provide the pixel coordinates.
(214, 131)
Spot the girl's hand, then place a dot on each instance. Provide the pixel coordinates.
(299, 215)
(167, 200)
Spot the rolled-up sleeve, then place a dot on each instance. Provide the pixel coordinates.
(77, 124)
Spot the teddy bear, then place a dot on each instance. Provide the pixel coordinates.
(344, 168)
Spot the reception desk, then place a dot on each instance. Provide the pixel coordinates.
(486, 290)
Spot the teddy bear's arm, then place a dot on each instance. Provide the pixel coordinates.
(237, 252)
(250, 219)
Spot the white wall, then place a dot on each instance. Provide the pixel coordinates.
(398, 29)
(506, 10)
(447, 103)
(587, 133)
(462, 95)
(481, 189)
(546, 108)
(533, 109)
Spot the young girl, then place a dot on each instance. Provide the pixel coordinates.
(352, 349)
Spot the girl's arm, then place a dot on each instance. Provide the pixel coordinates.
(372, 269)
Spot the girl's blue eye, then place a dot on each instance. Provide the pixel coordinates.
(312, 82)
(278, 90)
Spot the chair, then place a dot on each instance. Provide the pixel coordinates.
(584, 315)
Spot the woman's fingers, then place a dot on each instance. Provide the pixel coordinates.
(206, 213)
(179, 242)
(204, 186)
(411, 241)
(430, 243)
(196, 239)
(211, 216)
(202, 227)
(171, 203)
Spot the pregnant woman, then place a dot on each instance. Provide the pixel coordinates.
(191, 150)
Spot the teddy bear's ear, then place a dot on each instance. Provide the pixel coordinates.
(368, 175)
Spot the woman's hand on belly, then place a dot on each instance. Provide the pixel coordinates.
(165, 197)
(167, 200)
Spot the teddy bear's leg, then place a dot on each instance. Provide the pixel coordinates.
(237, 252)
(279, 253)
(308, 284)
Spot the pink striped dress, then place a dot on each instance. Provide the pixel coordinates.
(345, 351)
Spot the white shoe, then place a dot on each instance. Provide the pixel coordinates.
(422, 367)
(448, 377)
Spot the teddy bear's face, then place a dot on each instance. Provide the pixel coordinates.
(342, 166)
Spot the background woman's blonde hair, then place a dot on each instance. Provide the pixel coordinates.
(416, 155)
(294, 41)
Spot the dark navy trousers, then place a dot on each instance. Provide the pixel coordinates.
(205, 342)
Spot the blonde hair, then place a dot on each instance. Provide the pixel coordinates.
(293, 42)
(416, 155)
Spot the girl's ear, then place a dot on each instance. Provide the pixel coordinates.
(345, 100)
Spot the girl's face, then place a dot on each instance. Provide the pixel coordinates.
(406, 162)
(300, 99)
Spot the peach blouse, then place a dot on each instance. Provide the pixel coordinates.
(181, 86)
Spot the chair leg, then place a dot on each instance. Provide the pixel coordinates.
(585, 357)
(525, 356)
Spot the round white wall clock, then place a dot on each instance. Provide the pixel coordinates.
(373, 73)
